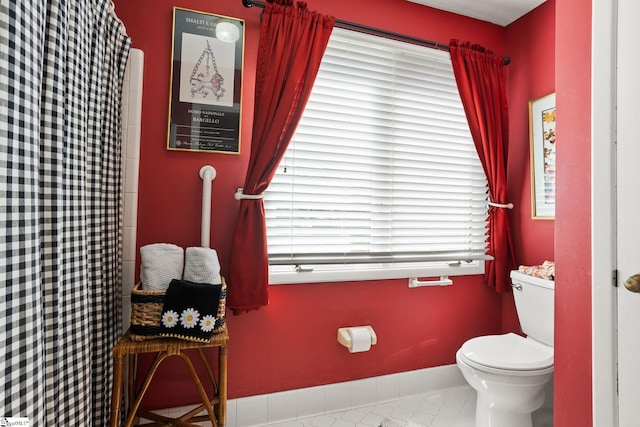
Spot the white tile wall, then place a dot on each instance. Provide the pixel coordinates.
(364, 391)
(131, 124)
(251, 411)
(289, 405)
(282, 406)
(311, 400)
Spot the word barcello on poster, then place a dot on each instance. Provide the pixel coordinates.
(206, 82)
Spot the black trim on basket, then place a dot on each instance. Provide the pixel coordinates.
(147, 299)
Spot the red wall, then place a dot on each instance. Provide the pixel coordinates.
(292, 342)
(530, 75)
(530, 44)
(573, 215)
(550, 48)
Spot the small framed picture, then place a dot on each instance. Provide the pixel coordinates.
(542, 132)
(206, 82)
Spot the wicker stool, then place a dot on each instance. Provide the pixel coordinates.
(216, 406)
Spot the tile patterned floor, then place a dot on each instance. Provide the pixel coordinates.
(453, 407)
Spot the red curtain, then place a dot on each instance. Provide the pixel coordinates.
(479, 75)
(292, 42)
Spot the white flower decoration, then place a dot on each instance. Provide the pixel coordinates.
(189, 318)
(169, 319)
(207, 323)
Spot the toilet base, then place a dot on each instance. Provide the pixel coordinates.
(490, 416)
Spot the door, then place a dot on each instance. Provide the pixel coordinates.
(628, 211)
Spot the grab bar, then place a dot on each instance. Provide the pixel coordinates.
(444, 281)
(208, 174)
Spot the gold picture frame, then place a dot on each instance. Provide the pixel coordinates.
(542, 134)
(206, 82)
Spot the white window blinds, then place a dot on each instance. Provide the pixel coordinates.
(382, 167)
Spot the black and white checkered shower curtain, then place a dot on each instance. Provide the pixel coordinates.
(61, 69)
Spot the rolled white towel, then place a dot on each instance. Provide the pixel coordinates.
(202, 266)
(160, 263)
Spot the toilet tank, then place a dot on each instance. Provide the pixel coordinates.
(534, 304)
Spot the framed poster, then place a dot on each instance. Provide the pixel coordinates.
(542, 126)
(206, 82)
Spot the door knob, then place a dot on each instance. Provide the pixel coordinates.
(633, 283)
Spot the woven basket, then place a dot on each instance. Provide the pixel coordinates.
(146, 312)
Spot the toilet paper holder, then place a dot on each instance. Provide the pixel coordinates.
(345, 339)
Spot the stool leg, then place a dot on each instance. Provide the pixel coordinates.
(201, 390)
(131, 386)
(116, 390)
(222, 385)
(207, 366)
(145, 385)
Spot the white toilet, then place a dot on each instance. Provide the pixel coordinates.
(509, 372)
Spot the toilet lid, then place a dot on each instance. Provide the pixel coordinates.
(509, 351)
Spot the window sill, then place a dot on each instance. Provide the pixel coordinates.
(281, 275)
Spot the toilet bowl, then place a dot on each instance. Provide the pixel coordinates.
(509, 372)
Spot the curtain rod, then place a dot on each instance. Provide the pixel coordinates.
(377, 31)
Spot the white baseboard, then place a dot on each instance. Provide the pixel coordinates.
(301, 403)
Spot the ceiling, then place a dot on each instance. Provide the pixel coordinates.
(501, 12)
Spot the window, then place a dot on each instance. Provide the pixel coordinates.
(381, 179)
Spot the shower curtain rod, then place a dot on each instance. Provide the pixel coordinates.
(377, 31)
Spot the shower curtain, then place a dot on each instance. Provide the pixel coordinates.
(61, 69)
